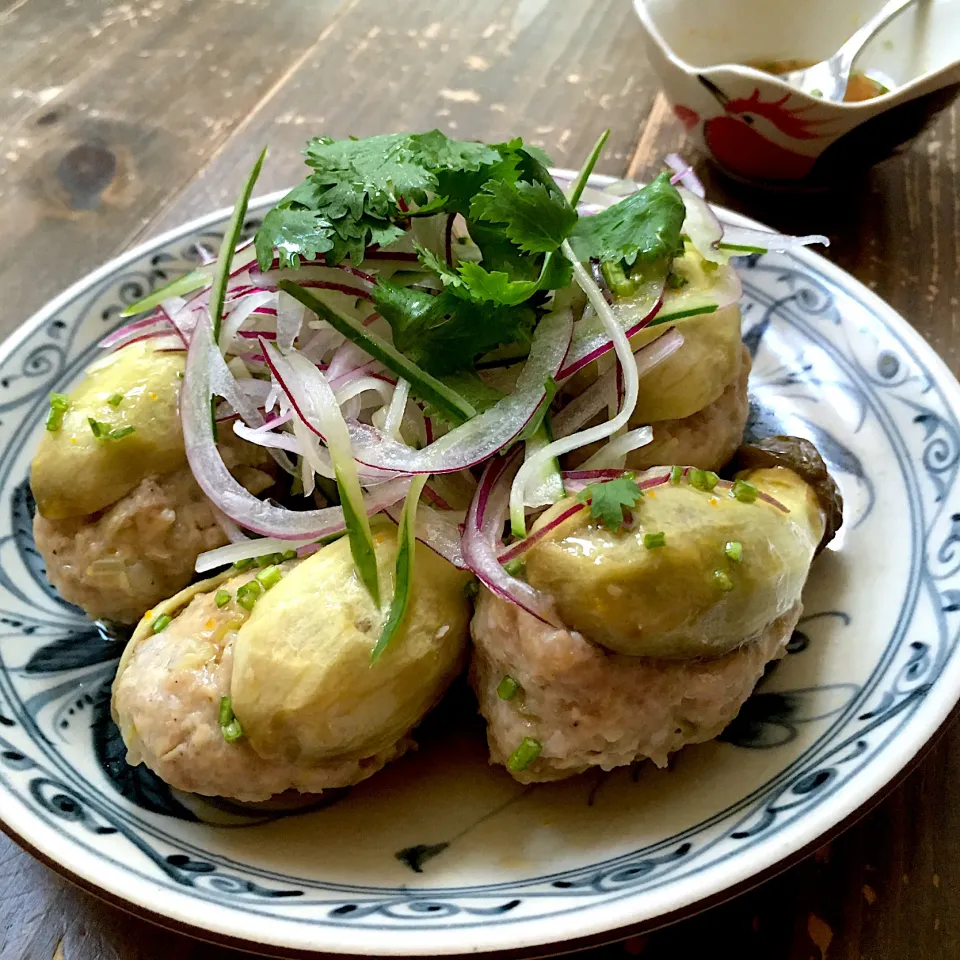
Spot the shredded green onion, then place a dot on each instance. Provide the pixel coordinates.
(161, 623)
(734, 550)
(403, 577)
(703, 480)
(222, 598)
(676, 475)
(508, 688)
(103, 431)
(248, 593)
(744, 492)
(115, 400)
(288, 555)
(514, 566)
(269, 577)
(59, 405)
(245, 564)
(653, 540)
(524, 755)
(229, 724)
(180, 287)
(722, 580)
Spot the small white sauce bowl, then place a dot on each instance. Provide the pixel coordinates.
(759, 129)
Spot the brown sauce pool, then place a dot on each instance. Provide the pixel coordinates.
(860, 87)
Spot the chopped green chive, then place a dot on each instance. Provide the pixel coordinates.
(179, 374)
(524, 755)
(248, 593)
(269, 577)
(213, 420)
(676, 475)
(288, 555)
(744, 492)
(232, 732)
(514, 566)
(115, 400)
(229, 724)
(653, 540)
(222, 598)
(471, 588)
(734, 550)
(703, 479)
(268, 559)
(161, 623)
(722, 580)
(59, 404)
(245, 564)
(508, 688)
(102, 431)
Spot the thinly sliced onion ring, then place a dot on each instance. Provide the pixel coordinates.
(763, 240)
(484, 435)
(618, 448)
(215, 479)
(702, 227)
(245, 550)
(482, 542)
(684, 174)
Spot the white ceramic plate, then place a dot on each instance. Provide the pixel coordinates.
(442, 854)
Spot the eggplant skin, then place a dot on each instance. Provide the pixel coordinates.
(803, 458)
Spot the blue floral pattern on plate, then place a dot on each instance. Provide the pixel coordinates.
(440, 847)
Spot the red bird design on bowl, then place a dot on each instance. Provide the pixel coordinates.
(744, 139)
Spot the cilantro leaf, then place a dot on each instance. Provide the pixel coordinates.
(537, 219)
(643, 229)
(607, 500)
(443, 332)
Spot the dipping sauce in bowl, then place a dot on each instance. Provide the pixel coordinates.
(860, 88)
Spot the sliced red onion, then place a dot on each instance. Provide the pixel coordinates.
(482, 542)
(398, 403)
(702, 227)
(239, 314)
(215, 479)
(590, 339)
(763, 240)
(613, 453)
(583, 408)
(154, 324)
(438, 533)
(290, 314)
(263, 437)
(232, 532)
(522, 546)
(245, 550)
(684, 174)
(482, 436)
(631, 390)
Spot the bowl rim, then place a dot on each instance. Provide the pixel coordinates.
(891, 98)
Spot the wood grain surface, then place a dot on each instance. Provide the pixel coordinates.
(120, 119)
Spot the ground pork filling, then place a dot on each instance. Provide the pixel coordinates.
(589, 707)
(166, 701)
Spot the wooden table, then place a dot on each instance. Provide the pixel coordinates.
(120, 119)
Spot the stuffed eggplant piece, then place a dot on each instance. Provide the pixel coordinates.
(289, 647)
(120, 519)
(669, 620)
(696, 398)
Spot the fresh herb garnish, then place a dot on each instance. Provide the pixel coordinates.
(269, 577)
(733, 550)
(744, 492)
(636, 239)
(222, 598)
(403, 579)
(103, 431)
(722, 579)
(608, 499)
(524, 755)
(59, 405)
(704, 480)
(248, 594)
(227, 719)
(676, 474)
(161, 623)
(507, 688)
(654, 540)
(115, 399)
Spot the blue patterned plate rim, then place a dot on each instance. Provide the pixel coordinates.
(120, 882)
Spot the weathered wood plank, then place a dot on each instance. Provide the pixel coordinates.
(553, 72)
(90, 153)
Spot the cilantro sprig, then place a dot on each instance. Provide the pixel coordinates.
(609, 500)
